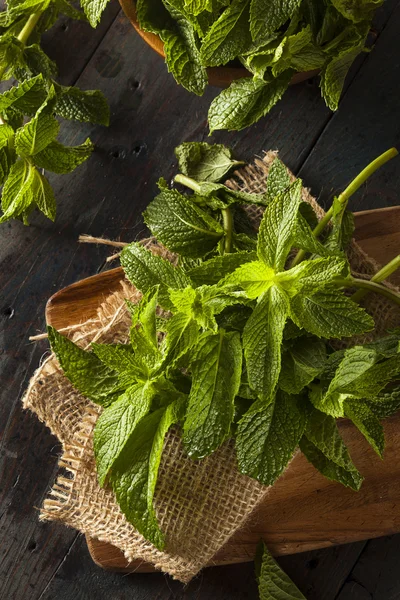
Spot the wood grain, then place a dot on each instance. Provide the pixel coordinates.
(294, 516)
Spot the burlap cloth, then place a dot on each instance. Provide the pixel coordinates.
(199, 505)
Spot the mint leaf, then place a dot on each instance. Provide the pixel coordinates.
(228, 37)
(134, 474)
(122, 359)
(213, 270)
(63, 159)
(301, 363)
(273, 583)
(17, 196)
(182, 333)
(254, 278)
(376, 378)
(216, 371)
(145, 270)
(334, 74)
(277, 181)
(325, 449)
(7, 153)
(385, 404)
(39, 132)
(267, 16)
(27, 97)
(85, 371)
(86, 106)
(278, 226)
(268, 436)
(43, 195)
(369, 425)
(195, 7)
(262, 339)
(93, 10)
(205, 162)
(329, 314)
(182, 55)
(357, 10)
(182, 226)
(245, 101)
(116, 424)
(36, 62)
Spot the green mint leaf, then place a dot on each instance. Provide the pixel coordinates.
(273, 583)
(182, 333)
(39, 132)
(325, 449)
(267, 16)
(277, 181)
(312, 275)
(36, 62)
(385, 404)
(153, 16)
(145, 315)
(85, 371)
(7, 153)
(145, 270)
(122, 359)
(43, 195)
(309, 58)
(369, 425)
(254, 278)
(245, 101)
(305, 239)
(216, 371)
(334, 74)
(11, 56)
(228, 37)
(86, 106)
(182, 54)
(357, 10)
(63, 159)
(195, 7)
(205, 162)
(278, 227)
(355, 363)
(134, 474)
(17, 196)
(329, 314)
(376, 378)
(93, 10)
(301, 363)
(262, 339)
(27, 97)
(290, 46)
(342, 227)
(268, 436)
(213, 270)
(182, 226)
(116, 424)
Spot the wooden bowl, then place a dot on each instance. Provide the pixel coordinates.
(219, 76)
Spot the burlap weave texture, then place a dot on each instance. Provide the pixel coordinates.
(199, 504)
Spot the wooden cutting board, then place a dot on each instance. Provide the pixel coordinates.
(303, 510)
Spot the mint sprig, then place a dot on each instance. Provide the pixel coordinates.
(28, 111)
(242, 349)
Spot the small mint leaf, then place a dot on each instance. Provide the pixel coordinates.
(205, 162)
(273, 583)
(63, 159)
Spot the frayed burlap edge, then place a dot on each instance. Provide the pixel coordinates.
(199, 504)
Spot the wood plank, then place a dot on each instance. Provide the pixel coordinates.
(293, 517)
(150, 115)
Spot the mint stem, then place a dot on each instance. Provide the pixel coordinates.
(369, 286)
(343, 198)
(188, 182)
(227, 223)
(29, 27)
(381, 275)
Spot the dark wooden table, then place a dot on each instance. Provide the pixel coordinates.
(150, 115)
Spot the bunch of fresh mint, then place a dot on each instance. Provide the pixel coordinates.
(28, 111)
(235, 341)
(273, 39)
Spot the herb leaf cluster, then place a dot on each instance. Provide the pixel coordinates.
(234, 342)
(272, 39)
(28, 111)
